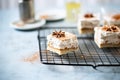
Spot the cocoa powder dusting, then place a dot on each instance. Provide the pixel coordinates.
(35, 57)
(89, 15)
(32, 58)
(111, 28)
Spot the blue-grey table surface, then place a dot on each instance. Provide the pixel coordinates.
(15, 45)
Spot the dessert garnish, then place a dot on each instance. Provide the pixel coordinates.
(111, 28)
(89, 15)
(116, 16)
(58, 34)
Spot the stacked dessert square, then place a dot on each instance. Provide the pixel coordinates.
(107, 36)
(87, 22)
(62, 42)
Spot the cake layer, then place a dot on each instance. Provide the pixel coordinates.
(61, 51)
(106, 44)
(85, 30)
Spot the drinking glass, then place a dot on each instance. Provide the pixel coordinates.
(72, 10)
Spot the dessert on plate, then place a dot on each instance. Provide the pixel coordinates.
(87, 22)
(113, 20)
(107, 36)
(62, 42)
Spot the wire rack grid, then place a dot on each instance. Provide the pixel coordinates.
(88, 54)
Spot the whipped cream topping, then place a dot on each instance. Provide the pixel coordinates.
(106, 37)
(69, 41)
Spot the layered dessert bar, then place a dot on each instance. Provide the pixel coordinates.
(87, 22)
(107, 36)
(112, 19)
(62, 42)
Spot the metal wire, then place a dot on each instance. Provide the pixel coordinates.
(88, 53)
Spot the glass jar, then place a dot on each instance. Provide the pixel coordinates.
(26, 10)
(72, 10)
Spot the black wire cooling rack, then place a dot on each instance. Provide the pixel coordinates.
(88, 54)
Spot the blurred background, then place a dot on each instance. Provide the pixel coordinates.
(8, 4)
(72, 10)
(85, 5)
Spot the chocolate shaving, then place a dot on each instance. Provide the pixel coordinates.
(58, 34)
(89, 15)
(116, 16)
(111, 28)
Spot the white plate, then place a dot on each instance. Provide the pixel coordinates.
(37, 24)
(53, 15)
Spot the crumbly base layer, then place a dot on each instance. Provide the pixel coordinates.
(61, 51)
(106, 45)
(86, 30)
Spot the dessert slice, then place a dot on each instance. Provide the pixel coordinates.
(113, 19)
(62, 42)
(107, 36)
(87, 22)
